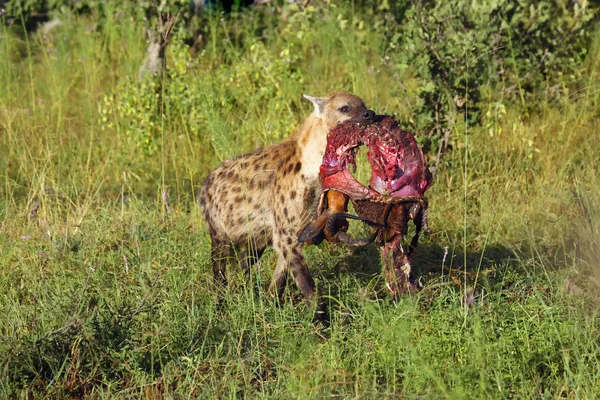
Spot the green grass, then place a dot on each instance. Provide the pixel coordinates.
(106, 293)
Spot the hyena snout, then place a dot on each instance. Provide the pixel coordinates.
(368, 115)
(365, 117)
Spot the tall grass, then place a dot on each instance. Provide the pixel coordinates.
(106, 292)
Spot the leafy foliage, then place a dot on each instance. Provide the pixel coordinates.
(498, 50)
(107, 292)
(462, 53)
(183, 92)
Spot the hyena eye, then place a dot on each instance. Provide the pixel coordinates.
(345, 109)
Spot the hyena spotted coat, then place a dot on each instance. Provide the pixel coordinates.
(265, 197)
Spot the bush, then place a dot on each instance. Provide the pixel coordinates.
(466, 52)
(466, 56)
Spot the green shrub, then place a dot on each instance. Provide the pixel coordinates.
(185, 93)
(467, 59)
(466, 52)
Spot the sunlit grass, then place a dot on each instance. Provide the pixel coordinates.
(106, 293)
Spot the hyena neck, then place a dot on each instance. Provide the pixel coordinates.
(311, 141)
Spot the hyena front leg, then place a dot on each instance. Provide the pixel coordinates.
(280, 275)
(291, 259)
(279, 280)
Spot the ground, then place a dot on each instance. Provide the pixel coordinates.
(105, 280)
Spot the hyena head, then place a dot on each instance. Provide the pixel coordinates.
(329, 111)
(339, 107)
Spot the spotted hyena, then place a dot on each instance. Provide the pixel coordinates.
(265, 197)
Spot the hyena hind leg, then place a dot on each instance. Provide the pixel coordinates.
(220, 253)
(250, 256)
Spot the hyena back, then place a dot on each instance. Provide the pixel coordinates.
(263, 198)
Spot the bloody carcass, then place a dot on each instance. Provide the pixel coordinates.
(395, 195)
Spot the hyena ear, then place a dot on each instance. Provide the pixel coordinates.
(318, 102)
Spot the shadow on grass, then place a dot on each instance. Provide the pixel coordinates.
(429, 258)
(433, 263)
